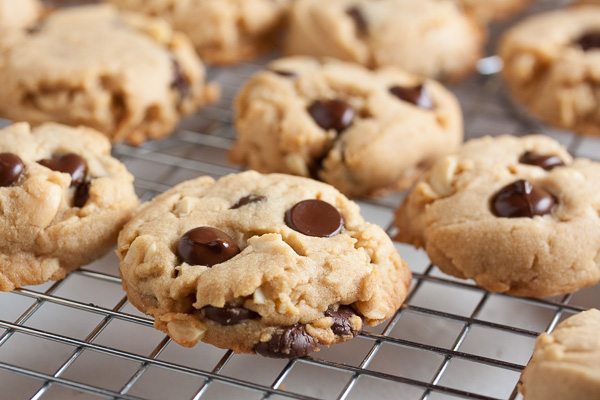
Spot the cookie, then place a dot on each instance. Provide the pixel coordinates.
(223, 31)
(128, 76)
(363, 131)
(432, 38)
(267, 264)
(552, 66)
(517, 215)
(493, 10)
(566, 363)
(63, 200)
(19, 14)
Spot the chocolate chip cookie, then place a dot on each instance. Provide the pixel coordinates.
(63, 200)
(552, 66)
(223, 31)
(493, 10)
(19, 14)
(363, 131)
(269, 264)
(517, 215)
(128, 76)
(432, 38)
(566, 363)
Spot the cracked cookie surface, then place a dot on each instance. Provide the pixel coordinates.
(552, 66)
(128, 76)
(365, 132)
(517, 215)
(432, 38)
(566, 363)
(63, 200)
(223, 31)
(272, 264)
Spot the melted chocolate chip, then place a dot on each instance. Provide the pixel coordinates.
(589, 41)
(228, 315)
(314, 218)
(71, 164)
(359, 20)
(247, 200)
(180, 81)
(332, 114)
(545, 162)
(289, 342)
(341, 321)
(82, 194)
(206, 246)
(417, 95)
(285, 74)
(11, 169)
(522, 199)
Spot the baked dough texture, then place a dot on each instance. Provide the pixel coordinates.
(566, 363)
(493, 10)
(19, 14)
(432, 38)
(547, 70)
(45, 235)
(286, 279)
(128, 76)
(386, 144)
(449, 213)
(223, 31)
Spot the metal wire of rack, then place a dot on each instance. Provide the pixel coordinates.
(80, 339)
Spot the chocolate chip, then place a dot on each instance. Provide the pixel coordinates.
(522, 199)
(332, 114)
(180, 81)
(206, 246)
(545, 162)
(289, 342)
(589, 41)
(285, 74)
(314, 218)
(359, 20)
(11, 169)
(70, 163)
(228, 315)
(417, 95)
(247, 200)
(341, 321)
(82, 194)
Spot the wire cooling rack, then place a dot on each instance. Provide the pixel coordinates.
(80, 339)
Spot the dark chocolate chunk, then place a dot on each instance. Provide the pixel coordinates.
(206, 246)
(70, 163)
(332, 114)
(82, 194)
(545, 162)
(417, 95)
(285, 74)
(247, 200)
(522, 199)
(359, 20)
(11, 169)
(180, 81)
(589, 41)
(341, 321)
(314, 218)
(228, 315)
(289, 342)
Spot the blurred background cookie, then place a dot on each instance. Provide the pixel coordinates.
(19, 14)
(493, 10)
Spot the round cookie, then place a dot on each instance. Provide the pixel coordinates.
(493, 10)
(552, 66)
(269, 264)
(507, 213)
(63, 200)
(362, 131)
(128, 76)
(566, 363)
(223, 31)
(432, 38)
(19, 14)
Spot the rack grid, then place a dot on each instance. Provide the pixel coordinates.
(80, 338)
